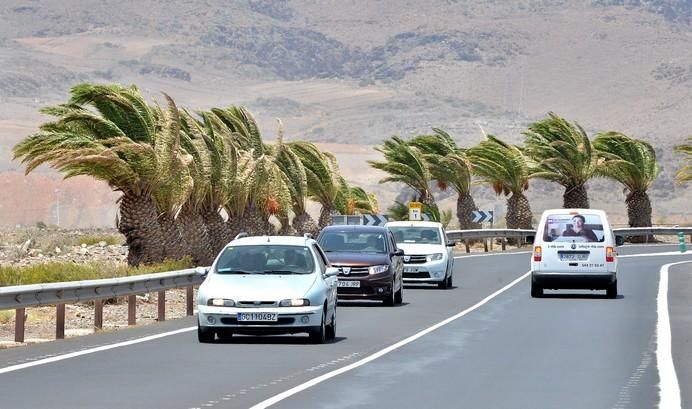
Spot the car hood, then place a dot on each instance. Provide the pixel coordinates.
(259, 287)
(356, 259)
(419, 248)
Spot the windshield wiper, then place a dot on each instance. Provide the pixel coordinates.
(281, 272)
(231, 271)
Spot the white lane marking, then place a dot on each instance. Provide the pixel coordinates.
(669, 387)
(492, 254)
(92, 350)
(277, 398)
(667, 253)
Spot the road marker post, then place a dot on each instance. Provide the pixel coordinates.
(681, 240)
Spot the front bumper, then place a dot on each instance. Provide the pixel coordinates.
(372, 287)
(574, 281)
(430, 272)
(289, 319)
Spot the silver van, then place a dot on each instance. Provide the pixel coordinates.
(574, 249)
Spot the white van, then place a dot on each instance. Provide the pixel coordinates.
(574, 249)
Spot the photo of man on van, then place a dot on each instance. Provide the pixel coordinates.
(577, 229)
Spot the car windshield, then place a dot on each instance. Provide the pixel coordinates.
(416, 234)
(265, 259)
(579, 227)
(353, 242)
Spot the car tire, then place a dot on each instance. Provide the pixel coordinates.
(331, 328)
(224, 335)
(612, 290)
(536, 290)
(205, 335)
(399, 296)
(390, 301)
(450, 280)
(319, 335)
(444, 284)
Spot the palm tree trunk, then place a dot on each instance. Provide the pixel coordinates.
(254, 223)
(639, 214)
(286, 228)
(140, 226)
(326, 214)
(575, 197)
(518, 212)
(218, 230)
(174, 244)
(304, 223)
(465, 207)
(194, 231)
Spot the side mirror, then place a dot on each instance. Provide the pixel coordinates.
(451, 243)
(203, 271)
(398, 252)
(619, 240)
(530, 239)
(331, 272)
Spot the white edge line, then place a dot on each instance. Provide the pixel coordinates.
(92, 350)
(277, 398)
(669, 386)
(491, 254)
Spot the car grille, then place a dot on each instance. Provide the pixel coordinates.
(256, 304)
(416, 259)
(234, 321)
(354, 272)
(418, 274)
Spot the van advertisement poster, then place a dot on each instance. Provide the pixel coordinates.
(574, 227)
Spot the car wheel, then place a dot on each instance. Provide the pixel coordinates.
(399, 296)
(331, 328)
(612, 290)
(444, 284)
(536, 291)
(391, 298)
(319, 335)
(204, 335)
(225, 335)
(450, 281)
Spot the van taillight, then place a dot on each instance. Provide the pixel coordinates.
(537, 253)
(610, 254)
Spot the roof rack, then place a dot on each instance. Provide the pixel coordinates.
(241, 235)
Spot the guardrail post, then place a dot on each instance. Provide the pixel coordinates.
(131, 310)
(189, 297)
(98, 314)
(19, 319)
(60, 321)
(466, 244)
(162, 305)
(485, 244)
(504, 243)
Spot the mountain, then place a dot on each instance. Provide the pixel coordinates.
(349, 74)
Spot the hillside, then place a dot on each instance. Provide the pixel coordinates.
(350, 74)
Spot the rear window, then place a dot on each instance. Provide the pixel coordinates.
(582, 227)
(353, 242)
(419, 234)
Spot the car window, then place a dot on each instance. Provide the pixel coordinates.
(581, 227)
(416, 234)
(353, 241)
(321, 258)
(265, 259)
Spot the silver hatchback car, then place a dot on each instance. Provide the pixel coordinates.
(268, 285)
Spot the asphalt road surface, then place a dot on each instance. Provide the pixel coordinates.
(483, 344)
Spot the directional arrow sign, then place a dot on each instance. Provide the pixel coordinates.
(374, 219)
(480, 216)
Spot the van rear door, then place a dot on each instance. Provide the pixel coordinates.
(574, 243)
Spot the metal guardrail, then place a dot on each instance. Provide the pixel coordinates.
(647, 231)
(59, 294)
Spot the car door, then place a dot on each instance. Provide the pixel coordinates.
(450, 252)
(330, 282)
(397, 261)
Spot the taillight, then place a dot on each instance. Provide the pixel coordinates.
(537, 253)
(610, 254)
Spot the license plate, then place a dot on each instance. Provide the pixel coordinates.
(258, 316)
(349, 283)
(573, 256)
(410, 270)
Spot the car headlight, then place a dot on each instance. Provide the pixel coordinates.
(378, 269)
(435, 257)
(220, 302)
(295, 302)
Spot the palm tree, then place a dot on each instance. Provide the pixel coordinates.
(505, 168)
(405, 164)
(355, 200)
(631, 162)
(107, 132)
(323, 178)
(685, 173)
(563, 154)
(449, 166)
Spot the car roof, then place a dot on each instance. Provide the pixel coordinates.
(575, 211)
(409, 223)
(272, 240)
(354, 228)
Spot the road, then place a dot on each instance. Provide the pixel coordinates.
(571, 349)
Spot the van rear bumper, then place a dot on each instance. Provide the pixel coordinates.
(573, 281)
